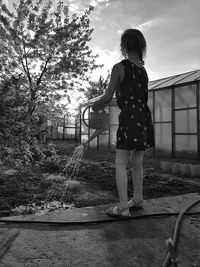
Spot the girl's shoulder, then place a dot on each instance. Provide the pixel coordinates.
(118, 71)
(123, 63)
(118, 67)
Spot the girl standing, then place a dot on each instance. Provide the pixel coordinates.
(135, 131)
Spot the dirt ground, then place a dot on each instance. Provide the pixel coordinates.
(95, 184)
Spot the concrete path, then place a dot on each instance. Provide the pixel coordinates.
(136, 242)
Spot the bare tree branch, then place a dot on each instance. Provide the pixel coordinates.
(27, 68)
(44, 69)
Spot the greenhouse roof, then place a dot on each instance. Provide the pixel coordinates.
(175, 80)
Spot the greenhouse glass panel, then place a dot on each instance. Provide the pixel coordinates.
(163, 105)
(103, 142)
(152, 116)
(186, 121)
(84, 138)
(84, 128)
(78, 123)
(70, 122)
(174, 80)
(158, 82)
(60, 129)
(70, 131)
(152, 82)
(114, 113)
(190, 78)
(185, 96)
(93, 143)
(186, 143)
(150, 101)
(163, 136)
(60, 132)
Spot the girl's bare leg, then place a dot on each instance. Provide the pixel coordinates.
(122, 160)
(137, 173)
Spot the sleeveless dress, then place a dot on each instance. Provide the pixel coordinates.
(135, 130)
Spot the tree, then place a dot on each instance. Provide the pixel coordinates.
(97, 88)
(47, 48)
(44, 52)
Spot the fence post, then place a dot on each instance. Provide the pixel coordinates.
(64, 129)
(80, 126)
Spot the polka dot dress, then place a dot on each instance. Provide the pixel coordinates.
(135, 129)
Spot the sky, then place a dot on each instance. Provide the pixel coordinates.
(171, 29)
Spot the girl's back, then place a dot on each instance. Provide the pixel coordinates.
(133, 87)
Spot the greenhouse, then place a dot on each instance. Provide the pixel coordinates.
(174, 103)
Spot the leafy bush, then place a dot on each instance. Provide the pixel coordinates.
(18, 144)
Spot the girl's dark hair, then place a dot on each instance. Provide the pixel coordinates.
(133, 39)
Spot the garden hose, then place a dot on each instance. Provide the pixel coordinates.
(95, 221)
(173, 243)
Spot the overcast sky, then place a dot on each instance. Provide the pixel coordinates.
(171, 29)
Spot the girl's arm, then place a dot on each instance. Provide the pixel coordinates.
(114, 82)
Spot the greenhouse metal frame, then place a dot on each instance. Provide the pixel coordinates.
(175, 107)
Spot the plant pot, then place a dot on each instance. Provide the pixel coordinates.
(185, 169)
(195, 170)
(176, 168)
(166, 166)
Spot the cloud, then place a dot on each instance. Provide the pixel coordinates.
(144, 25)
(5, 2)
(120, 31)
(97, 2)
(108, 57)
(74, 7)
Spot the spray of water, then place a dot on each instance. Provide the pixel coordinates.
(73, 164)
